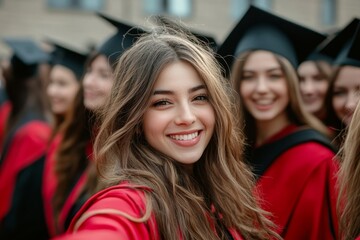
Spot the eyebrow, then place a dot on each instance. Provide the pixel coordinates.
(268, 70)
(168, 92)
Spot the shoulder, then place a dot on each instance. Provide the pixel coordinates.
(124, 193)
(312, 151)
(117, 212)
(35, 128)
(122, 198)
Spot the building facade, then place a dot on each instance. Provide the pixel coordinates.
(74, 22)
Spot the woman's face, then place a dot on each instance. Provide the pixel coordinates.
(263, 87)
(179, 121)
(313, 86)
(97, 83)
(346, 93)
(62, 89)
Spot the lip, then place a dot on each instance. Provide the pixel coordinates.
(89, 94)
(55, 101)
(310, 99)
(186, 143)
(263, 107)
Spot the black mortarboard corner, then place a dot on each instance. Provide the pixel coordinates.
(316, 55)
(26, 57)
(115, 45)
(177, 26)
(69, 58)
(344, 47)
(207, 39)
(261, 30)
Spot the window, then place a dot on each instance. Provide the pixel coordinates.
(328, 12)
(86, 5)
(263, 4)
(238, 7)
(154, 7)
(177, 8)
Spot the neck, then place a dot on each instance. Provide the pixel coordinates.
(267, 129)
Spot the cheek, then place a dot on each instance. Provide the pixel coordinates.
(322, 87)
(154, 123)
(209, 118)
(245, 92)
(337, 103)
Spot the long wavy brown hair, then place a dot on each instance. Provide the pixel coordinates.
(295, 110)
(349, 181)
(179, 201)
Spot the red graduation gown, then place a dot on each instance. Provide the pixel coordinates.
(299, 190)
(49, 183)
(5, 109)
(112, 226)
(20, 182)
(49, 187)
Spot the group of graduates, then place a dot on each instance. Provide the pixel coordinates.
(162, 134)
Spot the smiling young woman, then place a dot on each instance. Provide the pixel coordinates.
(288, 149)
(170, 152)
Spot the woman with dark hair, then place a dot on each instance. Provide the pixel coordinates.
(63, 87)
(70, 175)
(314, 77)
(343, 93)
(23, 144)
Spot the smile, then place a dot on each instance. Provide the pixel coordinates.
(184, 137)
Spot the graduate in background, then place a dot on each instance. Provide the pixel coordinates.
(63, 87)
(23, 145)
(314, 76)
(344, 89)
(74, 171)
(288, 148)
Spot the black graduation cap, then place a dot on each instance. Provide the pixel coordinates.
(202, 37)
(317, 56)
(68, 57)
(344, 47)
(26, 56)
(115, 45)
(207, 39)
(261, 30)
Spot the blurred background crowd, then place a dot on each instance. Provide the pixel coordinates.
(295, 70)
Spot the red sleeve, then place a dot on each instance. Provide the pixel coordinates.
(50, 182)
(107, 223)
(5, 109)
(26, 147)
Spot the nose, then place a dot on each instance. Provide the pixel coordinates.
(261, 84)
(50, 90)
(306, 86)
(185, 115)
(352, 100)
(88, 79)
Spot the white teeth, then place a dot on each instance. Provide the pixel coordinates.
(185, 137)
(264, 102)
